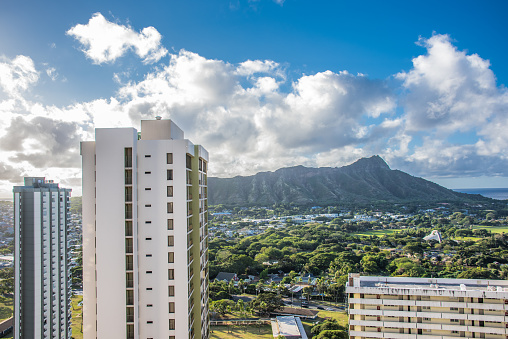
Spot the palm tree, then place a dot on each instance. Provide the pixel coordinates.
(241, 286)
(231, 286)
(272, 286)
(307, 291)
(322, 285)
(259, 287)
(240, 307)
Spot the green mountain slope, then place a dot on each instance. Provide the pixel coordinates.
(366, 180)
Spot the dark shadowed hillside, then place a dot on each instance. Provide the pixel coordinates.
(366, 180)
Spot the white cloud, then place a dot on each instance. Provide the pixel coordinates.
(251, 67)
(105, 41)
(449, 90)
(246, 122)
(17, 75)
(251, 121)
(52, 73)
(439, 158)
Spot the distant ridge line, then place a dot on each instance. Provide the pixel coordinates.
(368, 180)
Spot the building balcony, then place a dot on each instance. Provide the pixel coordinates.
(388, 327)
(429, 314)
(426, 303)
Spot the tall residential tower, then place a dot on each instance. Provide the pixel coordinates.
(145, 244)
(41, 271)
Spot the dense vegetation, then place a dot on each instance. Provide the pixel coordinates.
(333, 250)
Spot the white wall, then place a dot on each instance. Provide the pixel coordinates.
(158, 232)
(110, 229)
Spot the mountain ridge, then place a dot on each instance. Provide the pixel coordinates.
(366, 180)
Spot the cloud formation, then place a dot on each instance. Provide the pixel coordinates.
(447, 93)
(251, 118)
(104, 41)
(17, 75)
(449, 90)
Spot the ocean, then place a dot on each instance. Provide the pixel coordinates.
(494, 193)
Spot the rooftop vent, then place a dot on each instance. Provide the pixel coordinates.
(158, 117)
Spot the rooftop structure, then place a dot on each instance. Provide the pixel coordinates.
(434, 235)
(289, 327)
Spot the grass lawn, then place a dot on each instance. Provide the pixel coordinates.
(493, 229)
(377, 233)
(467, 238)
(76, 317)
(6, 307)
(244, 332)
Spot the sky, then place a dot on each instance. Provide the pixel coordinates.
(261, 84)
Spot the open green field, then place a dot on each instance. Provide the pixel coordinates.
(6, 307)
(341, 317)
(244, 332)
(493, 229)
(466, 238)
(377, 233)
(76, 316)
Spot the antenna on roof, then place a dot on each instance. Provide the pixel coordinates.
(158, 117)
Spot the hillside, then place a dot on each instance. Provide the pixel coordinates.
(367, 180)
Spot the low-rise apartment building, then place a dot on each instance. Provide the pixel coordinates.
(430, 308)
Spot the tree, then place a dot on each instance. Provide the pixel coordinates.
(241, 286)
(7, 286)
(286, 280)
(307, 291)
(413, 248)
(266, 303)
(329, 325)
(222, 306)
(490, 216)
(476, 273)
(259, 287)
(240, 307)
(7, 272)
(322, 287)
(332, 334)
(231, 286)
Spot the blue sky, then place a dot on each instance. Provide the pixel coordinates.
(261, 84)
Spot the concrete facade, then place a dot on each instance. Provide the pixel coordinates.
(399, 307)
(41, 271)
(145, 234)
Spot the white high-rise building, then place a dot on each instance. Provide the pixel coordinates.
(145, 243)
(41, 271)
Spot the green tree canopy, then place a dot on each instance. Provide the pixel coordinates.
(266, 303)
